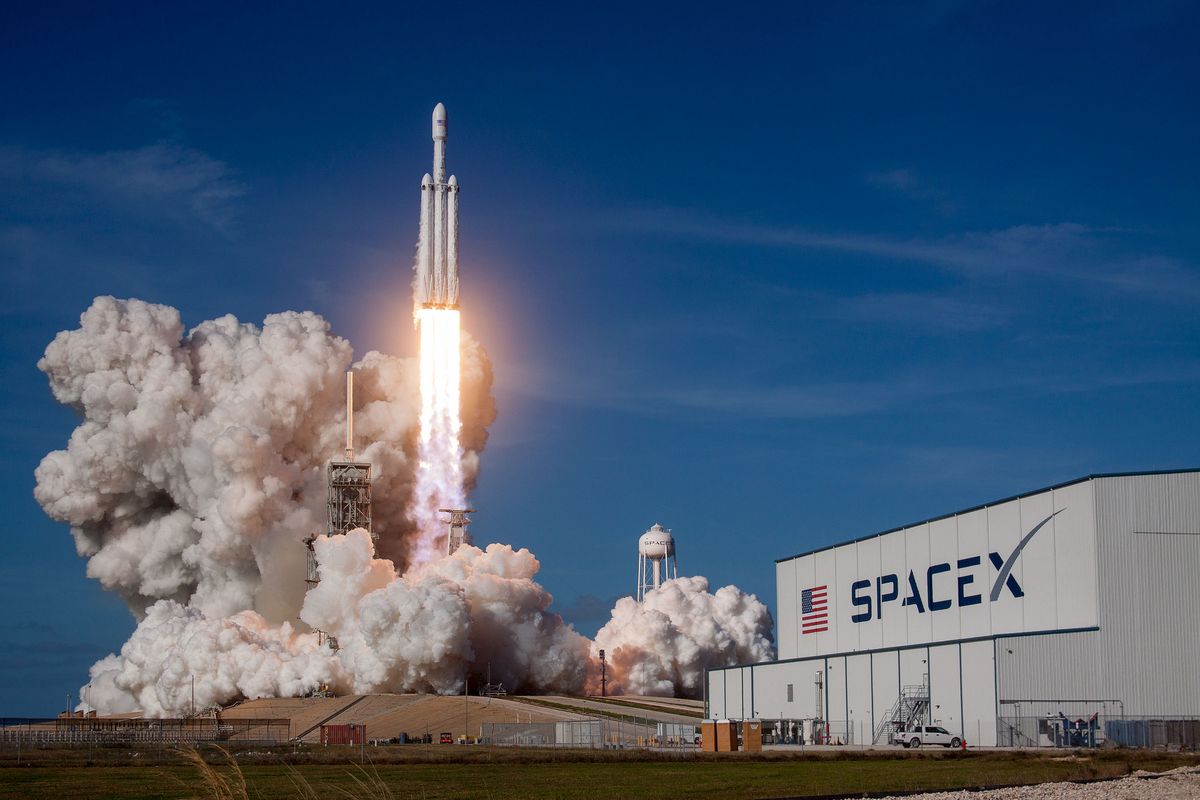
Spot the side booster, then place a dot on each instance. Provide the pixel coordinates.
(437, 245)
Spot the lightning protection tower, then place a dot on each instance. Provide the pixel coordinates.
(656, 560)
(458, 528)
(349, 503)
(350, 482)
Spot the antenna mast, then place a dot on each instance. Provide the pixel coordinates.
(349, 416)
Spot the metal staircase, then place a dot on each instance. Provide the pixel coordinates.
(910, 709)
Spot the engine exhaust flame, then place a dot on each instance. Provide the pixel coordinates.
(439, 477)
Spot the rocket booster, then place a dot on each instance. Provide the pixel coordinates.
(437, 246)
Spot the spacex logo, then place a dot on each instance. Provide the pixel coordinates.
(933, 592)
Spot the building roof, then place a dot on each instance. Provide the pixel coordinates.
(988, 505)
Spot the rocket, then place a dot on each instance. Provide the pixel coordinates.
(437, 247)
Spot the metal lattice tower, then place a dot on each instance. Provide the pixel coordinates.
(349, 500)
(350, 482)
(349, 497)
(458, 528)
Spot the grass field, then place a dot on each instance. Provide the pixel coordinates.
(432, 774)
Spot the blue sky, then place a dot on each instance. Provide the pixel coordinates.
(774, 278)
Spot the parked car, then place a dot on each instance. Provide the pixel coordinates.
(927, 734)
(447, 738)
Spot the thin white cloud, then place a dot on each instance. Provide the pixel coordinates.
(902, 180)
(907, 183)
(935, 312)
(1068, 251)
(747, 398)
(164, 177)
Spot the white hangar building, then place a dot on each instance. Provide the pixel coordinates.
(1076, 600)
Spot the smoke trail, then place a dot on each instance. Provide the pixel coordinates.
(439, 475)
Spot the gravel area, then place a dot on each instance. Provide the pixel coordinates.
(1175, 784)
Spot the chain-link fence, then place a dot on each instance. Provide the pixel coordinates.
(91, 730)
(804, 732)
(1098, 730)
(594, 734)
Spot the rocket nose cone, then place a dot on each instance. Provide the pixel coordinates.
(453, 181)
(426, 181)
(439, 121)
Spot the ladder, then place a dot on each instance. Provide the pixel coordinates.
(909, 709)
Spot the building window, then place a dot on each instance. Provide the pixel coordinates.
(789, 692)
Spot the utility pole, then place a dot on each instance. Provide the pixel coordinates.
(603, 675)
(466, 707)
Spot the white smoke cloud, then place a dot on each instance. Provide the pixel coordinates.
(198, 470)
(526, 647)
(399, 634)
(176, 648)
(428, 629)
(663, 645)
(424, 631)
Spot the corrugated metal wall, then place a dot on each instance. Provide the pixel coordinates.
(1059, 666)
(859, 690)
(1146, 593)
(787, 625)
(1146, 651)
(1149, 590)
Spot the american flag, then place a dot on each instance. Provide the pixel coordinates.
(814, 610)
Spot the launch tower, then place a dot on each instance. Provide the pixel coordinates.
(458, 528)
(349, 503)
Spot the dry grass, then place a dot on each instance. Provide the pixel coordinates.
(223, 779)
(368, 785)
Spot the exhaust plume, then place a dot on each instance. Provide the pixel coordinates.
(198, 470)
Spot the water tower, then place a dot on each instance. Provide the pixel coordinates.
(656, 559)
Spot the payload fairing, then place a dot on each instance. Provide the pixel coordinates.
(437, 248)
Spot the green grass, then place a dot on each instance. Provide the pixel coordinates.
(495, 773)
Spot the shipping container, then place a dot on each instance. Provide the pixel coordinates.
(343, 734)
